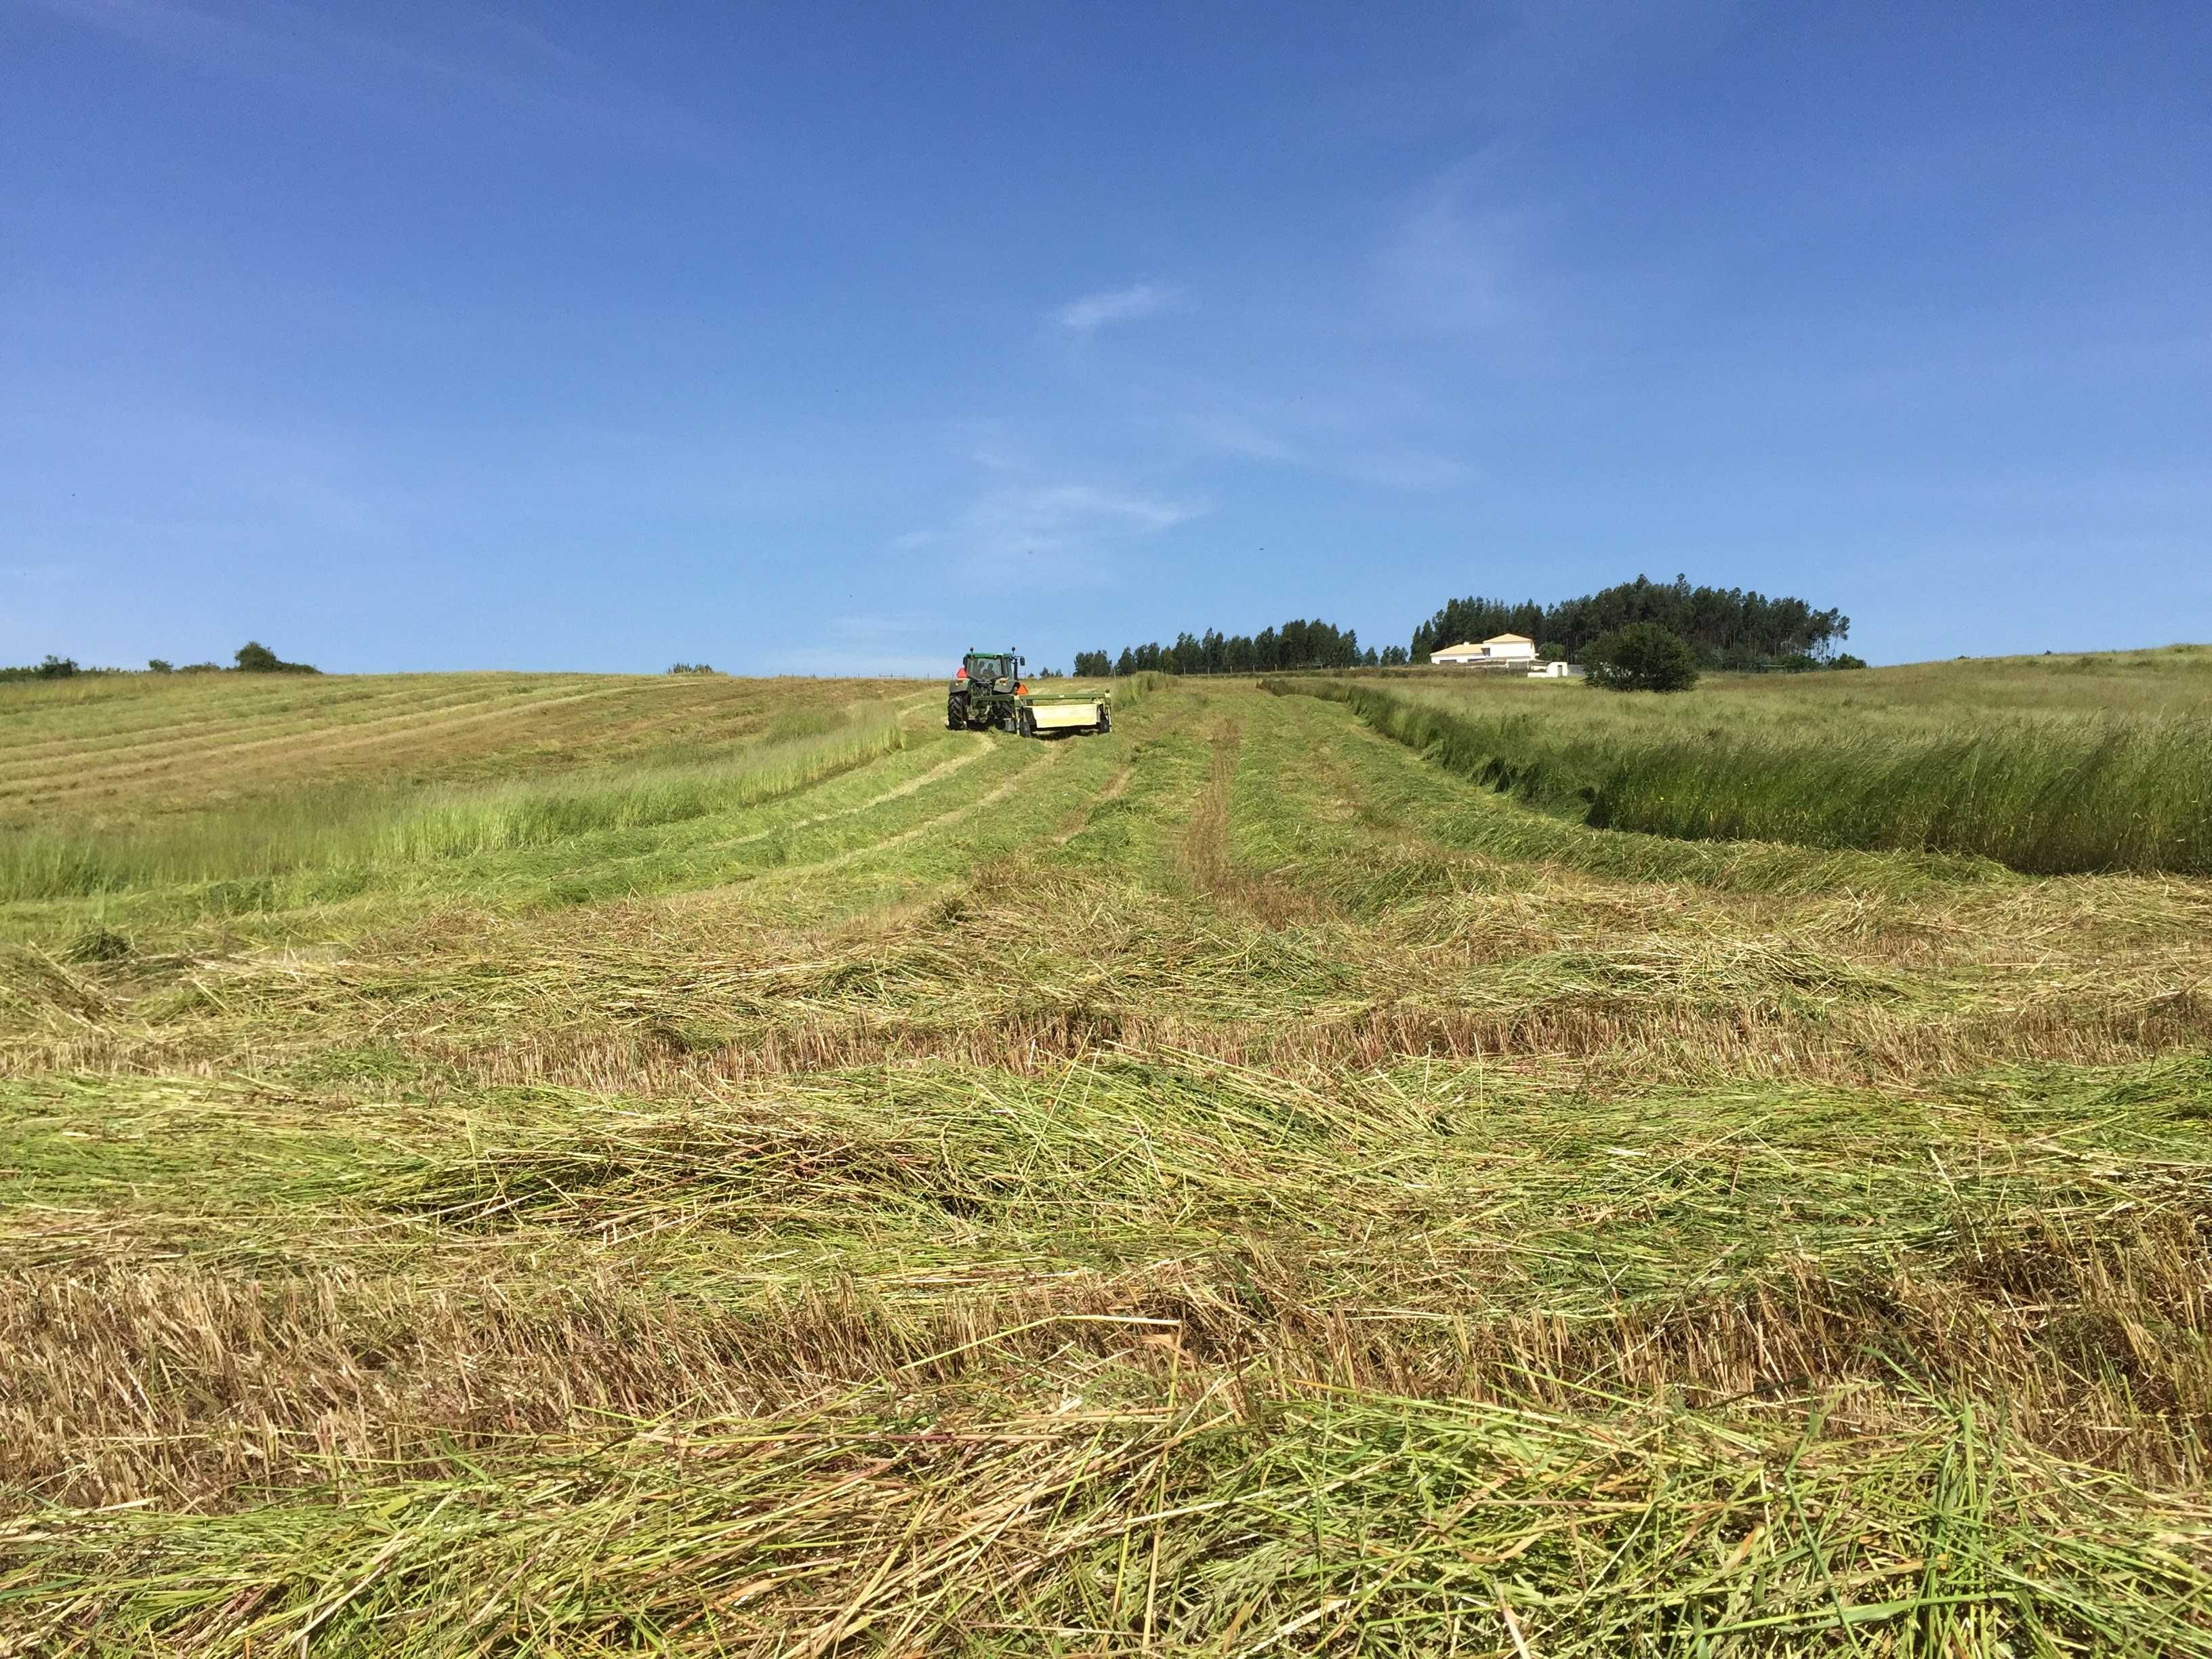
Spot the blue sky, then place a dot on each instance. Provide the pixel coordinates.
(822, 338)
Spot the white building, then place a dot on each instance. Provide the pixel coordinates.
(1553, 670)
(1499, 648)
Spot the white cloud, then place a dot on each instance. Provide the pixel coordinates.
(1376, 432)
(1064, 532)
(1450, 271)
(1226, 433)
(1116, 305)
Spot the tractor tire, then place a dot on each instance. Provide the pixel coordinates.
(956, 712)
(1105, 720)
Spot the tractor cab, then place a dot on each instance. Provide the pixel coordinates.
(993, 669)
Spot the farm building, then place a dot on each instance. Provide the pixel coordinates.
(1553, 670)
(1498, 647)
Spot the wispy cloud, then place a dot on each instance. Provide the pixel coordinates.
(1352, 426)
(1116, 305)
(1451, 269)
(1065, 532)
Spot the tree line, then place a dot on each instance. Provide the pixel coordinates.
(1724, 627)
(251, 658)
(1727, 627)
(1296, 644)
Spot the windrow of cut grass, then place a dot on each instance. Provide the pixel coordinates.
(1267, 1515)
(359, 828)
(1227, 1188)
(1612, 1355)
(2046, 794)
(179, 745)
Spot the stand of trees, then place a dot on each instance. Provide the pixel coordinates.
(1296, 644)
(253, 658)
(1728, 628)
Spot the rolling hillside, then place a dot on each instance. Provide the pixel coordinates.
(535, 1165)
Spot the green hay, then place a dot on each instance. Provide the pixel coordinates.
(2047, 792)
(1231, 1187)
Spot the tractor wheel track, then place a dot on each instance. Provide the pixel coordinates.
(705, 894)
(936, 773)
(991, 797)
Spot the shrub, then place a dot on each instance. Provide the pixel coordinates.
(255, 658)
(1642, 657)
(1846, 660)
(160, 666)
(691, 668)
(53, 668)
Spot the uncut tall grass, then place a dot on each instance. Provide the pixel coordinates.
(359, 828)
(2048, 791)
(2042, 797)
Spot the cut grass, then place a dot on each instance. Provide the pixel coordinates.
(342, 832)
(1288, 1517)
(188, 743)
(1228, 1187)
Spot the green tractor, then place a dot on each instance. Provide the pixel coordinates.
(988, 692)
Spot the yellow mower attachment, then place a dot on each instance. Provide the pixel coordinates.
(1065, 711)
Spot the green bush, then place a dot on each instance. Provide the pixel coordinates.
(53, 668)
(255, 658)
(1642, 657)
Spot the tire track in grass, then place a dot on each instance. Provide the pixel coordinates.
(937, 774)
(1116, 786)
(853, 854)
(991, 797)
(1207, 856)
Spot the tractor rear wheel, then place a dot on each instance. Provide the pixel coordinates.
(956, 711)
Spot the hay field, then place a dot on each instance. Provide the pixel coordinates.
(558, 1166)
(2049, 765)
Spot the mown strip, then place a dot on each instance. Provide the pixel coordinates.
(396, 827)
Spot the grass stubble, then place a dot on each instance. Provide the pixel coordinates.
(1230, 1187)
